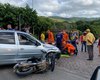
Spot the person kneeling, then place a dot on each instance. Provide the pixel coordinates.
(69, 48)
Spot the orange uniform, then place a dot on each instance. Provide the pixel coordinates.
(50, 37)
(65, 38)
(70, 48)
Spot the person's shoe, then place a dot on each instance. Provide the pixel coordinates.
(90, 59)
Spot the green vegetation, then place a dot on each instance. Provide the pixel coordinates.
(80, 24)
(21, 16)
(17, 16)
(72, 19)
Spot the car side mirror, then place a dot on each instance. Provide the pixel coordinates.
(96, 74)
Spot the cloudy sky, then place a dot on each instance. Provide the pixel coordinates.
(63, 8)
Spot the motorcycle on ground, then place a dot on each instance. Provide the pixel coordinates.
(35, 65)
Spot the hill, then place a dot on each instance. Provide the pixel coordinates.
(72, 19)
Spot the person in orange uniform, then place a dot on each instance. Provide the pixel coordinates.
(65, 37)
(50, 37)
(69, 47)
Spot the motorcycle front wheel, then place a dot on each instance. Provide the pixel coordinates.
(52, 65)
(51, 60)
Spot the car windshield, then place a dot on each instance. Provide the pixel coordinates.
(33, 39)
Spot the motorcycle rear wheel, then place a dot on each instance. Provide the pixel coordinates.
(21, 71)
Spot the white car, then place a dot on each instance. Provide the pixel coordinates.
(19, 46)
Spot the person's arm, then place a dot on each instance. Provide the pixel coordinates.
(98, 43)
(91, 41)
(67, 36)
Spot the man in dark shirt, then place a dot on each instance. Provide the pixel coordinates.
(9, 27)
(59, 37)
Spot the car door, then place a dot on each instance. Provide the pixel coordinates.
(8, 47)
(27, 47)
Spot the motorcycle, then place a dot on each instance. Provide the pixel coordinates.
(35, 65)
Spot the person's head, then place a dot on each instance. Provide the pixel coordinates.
(63, 31)
(85, 33)
(48, 31)
(9, 26)
(87, 30)
(64, 43)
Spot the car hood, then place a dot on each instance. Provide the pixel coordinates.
(49, 47)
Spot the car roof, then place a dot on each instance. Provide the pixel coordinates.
(12, 31)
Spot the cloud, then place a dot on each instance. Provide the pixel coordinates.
(63, 8)
(85, 2)
(68, 8)
(15, 2)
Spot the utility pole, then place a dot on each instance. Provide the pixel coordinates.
(32, 4)
(19, 19)
(32, 21)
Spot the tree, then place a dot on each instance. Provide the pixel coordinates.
(43, 24)
(22, 16)
(14, 15)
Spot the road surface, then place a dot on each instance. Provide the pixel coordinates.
(73, 68)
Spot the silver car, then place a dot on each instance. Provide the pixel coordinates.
(19, 46)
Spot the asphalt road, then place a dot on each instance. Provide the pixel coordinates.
(73, 68)
(6, 73)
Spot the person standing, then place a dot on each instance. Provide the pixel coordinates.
(90, 41)
(50, 39)
(83, 42)
(9, 27)
(74, 42)
(42, 37)
(99, 46)
(59, 40)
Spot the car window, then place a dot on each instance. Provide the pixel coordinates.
(26, 39)
(7, 38)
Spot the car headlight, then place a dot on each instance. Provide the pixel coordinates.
(43, 51)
